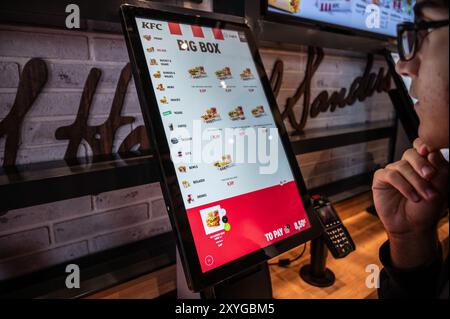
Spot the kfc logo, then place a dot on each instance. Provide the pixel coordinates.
(152, 26)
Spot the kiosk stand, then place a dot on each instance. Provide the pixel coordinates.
(252, 284)
(316, 273)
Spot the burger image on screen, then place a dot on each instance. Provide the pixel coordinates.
(258, 111)
(211, 115)
(292, 6)
(224, 74)
(197, 72)
(237, 114)
(247, 75)
(213, 219)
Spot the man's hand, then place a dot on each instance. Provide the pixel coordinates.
(410, 196)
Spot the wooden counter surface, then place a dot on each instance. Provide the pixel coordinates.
(366, 230)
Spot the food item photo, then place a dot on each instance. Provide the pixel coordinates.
(197, 72)
(258, 111)
(224, 74)
(237, 114)
(247, 75)
(211, 115)
(292, 6)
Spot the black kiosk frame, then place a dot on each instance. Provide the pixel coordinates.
(253, 264)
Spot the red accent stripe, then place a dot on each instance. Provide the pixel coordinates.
(175, 28)
(197, 31)
(218, 34)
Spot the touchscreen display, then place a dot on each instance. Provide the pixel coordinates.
(237, 186)
(379, 16)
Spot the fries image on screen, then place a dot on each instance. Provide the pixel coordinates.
(224, 163)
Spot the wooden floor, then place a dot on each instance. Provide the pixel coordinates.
(366, 230)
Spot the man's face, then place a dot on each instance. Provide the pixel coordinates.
(430, 77)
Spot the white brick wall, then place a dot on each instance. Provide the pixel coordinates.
(36, 237)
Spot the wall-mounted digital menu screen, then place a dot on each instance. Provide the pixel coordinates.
(377, 16)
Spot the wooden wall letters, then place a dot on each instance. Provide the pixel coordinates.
(101, 137)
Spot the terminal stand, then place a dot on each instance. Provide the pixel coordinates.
(316, 273)
(254, 283)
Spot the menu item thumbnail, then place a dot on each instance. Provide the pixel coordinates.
(182, 169)
(224, 74)
(186, 184)
(198, 72)
(161, 88)
(292, 6)
(153, 62)
(247, 75)
(211, 115)
(224, 163)
(151, 50)
(147, 37)
(157, 75)
(237, 114)
(164, 100)
(258, 111)
(212, 219)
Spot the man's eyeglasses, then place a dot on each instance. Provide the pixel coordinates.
(409, 36)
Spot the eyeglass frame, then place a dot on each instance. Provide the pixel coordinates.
(415, 26)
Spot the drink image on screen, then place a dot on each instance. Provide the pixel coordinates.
(292, 6)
